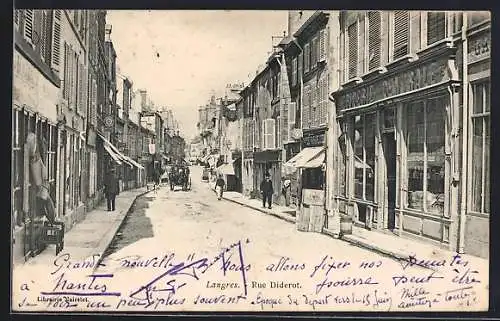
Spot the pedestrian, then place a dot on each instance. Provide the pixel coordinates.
(286, 191)
(111, 189)
(219, 186)
(266, 189)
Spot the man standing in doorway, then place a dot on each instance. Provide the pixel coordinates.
(111, 189)
(266, 188)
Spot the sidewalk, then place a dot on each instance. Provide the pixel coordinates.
(94, 233)
(388, 245)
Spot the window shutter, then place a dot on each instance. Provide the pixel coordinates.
(436, 26)
(305, 108)
(56, 41)
(352, 33)
(294, 71)
(269, 133)
(28, 25)
(278, 131)
(44, 46)
(322, 45)
(314, 51)
(300, 65)
(401, 33)
(292, 109)
(284, 123)
(66, 72)
(16, 19)
(307, 57)
(374, 39)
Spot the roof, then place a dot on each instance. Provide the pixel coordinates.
(315, 17)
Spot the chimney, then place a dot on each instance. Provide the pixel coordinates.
(108, 29)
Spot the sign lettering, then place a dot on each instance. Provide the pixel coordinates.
(406, 81)
(313, 140)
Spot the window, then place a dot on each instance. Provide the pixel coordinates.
(343, 160)
(322, 46)
(17, 177)
(364, 157)
(425, 159)
(476, 17)
(436, 27)
(314, 52)
(352, 34)
(401, 33)
(307, 57)
(68, 190)
(374, 40)
(481, 148)
(16, 19)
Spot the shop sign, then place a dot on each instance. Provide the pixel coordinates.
(412, 79)
(152, 149)
(313, 140)
(31, 88)
(313, 196)
(479, 48)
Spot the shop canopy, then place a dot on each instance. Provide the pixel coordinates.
(226, 169)
(133, 162)
(360, 164)
(118, 157)
(310, 157)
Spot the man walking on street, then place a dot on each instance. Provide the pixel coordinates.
(266, 188)
(219, 186)
(111, 189)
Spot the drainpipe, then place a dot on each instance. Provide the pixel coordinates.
(465, 136)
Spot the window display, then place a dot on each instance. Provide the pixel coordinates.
(425, 158)
(364, 157)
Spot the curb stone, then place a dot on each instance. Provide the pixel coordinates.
(117, 228)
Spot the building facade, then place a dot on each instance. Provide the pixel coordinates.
(413, 120)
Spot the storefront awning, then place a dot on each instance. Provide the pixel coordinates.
(111, 153)
(315, 155)
(226, 169)
(136, 164)
(118, 157)
(316, 161)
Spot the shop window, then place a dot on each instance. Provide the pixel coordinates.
(425, 159)
(364, 156)
(352, 34)
(436, 27)
(401, 33)
(342, 176)
(481, 148)
(17, 167)
(374, 39)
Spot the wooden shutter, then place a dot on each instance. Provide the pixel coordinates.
(374, 39)
(305, 107)
(401, 33)
(294, 71)
(307, 57)
(313, 118)
(29, 16)
(292, 109)
(44, 36)
(66, 71)
(269, 133)
(314, 52)
(300, 64)
(284, 122)
(55, 60)
(278, 131)
(16, 18)
(436, 26)
(352, 34)
(322, 45)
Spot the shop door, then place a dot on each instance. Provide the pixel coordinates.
(390, 158)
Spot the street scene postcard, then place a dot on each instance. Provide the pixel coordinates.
(260, 161)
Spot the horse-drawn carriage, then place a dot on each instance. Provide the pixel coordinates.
(179, 176)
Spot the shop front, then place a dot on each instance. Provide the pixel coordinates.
(398, 145)
(268, 162)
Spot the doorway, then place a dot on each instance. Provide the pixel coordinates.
(389, 141)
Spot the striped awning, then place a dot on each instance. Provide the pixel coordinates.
(118, 157)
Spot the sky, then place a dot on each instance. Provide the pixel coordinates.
(181, 57)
